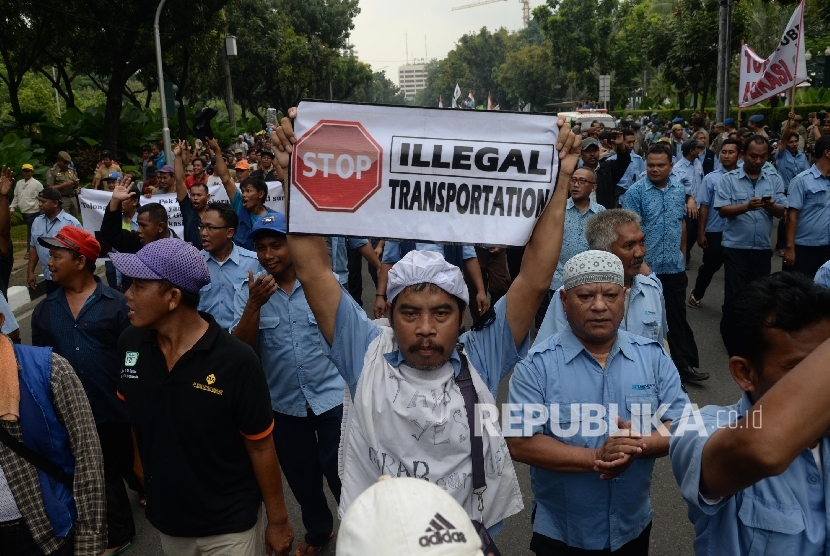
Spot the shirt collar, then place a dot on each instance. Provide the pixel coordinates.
(396, 359)
(100, 290)
(234, 256)
(816, 173)
(571, 346)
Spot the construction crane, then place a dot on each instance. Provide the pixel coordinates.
(525, 8)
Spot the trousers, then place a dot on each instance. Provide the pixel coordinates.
(742, 266)
(712, 262)
(546, 546)
(681, 338)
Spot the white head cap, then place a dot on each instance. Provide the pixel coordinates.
(418, 267)
(593, 266)
(407, 517)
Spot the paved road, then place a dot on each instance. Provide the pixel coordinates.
(672, 533)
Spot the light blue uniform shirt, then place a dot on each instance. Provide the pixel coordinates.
(392, 251)
(632, 173)
(340, 257)
(290, 345)
(750, 230)
(777, 516)
(580, 509)
(810, 195)
(690, 174)
(823, 275)
(42, 227)
(217, 297)
(715, 222)
(573, 242)
(789, 165)
(662, 212)
(491, 351)
(645, 312)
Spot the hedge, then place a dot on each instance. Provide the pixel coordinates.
(773, 117)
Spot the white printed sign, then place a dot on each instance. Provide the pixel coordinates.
(443, 176)
(94, 203)
(763, 79)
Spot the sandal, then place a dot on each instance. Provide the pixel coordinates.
(693, 302)
(304, 548)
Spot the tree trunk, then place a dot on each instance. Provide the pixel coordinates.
(681, 99)
(112, 113)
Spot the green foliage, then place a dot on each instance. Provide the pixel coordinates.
(16, 151)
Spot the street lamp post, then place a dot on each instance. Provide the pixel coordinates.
(230, 51)
(165, 130)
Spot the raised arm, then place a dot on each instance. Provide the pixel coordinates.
(795, 415)
(542, 250)
(179, 150)
(221, 169)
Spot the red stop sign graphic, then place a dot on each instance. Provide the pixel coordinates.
(337, 166)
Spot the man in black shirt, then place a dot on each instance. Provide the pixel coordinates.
(199, 404)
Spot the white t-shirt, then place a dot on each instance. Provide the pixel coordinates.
(410, 423)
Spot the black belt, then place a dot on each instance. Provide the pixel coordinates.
(12, 526)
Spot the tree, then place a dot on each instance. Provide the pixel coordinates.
(111, 52)
(25, 32)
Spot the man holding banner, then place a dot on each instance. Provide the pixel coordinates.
(390, 368)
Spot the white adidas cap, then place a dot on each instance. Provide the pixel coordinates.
(407, 517)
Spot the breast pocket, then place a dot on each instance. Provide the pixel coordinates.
(740, 197)
(269, 336)
(651, 326)
(566, 425)
(314, 331)
(639, 409)
(770, 526)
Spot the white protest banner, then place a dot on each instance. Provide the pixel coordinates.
(786, 67)
(433, 175)
(94, 203)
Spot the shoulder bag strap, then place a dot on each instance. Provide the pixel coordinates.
(38, 460)
(465, 382)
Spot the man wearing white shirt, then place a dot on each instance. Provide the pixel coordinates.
(25, 199)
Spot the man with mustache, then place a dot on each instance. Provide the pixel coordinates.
(590, 481)
(618, 231)
(408, 380)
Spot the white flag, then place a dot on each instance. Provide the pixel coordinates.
(456, 95)
(440, 101)
(763, 79)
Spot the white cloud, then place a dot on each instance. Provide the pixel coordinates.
(381, 28)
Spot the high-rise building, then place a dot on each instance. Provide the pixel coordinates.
(411, 79)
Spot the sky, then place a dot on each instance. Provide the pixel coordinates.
(381, 28)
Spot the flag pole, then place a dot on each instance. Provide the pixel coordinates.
(797, 52)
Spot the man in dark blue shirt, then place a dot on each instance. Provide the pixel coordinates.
(82, 321)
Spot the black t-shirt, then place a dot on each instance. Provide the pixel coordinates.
(190, 424)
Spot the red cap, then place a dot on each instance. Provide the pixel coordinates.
(76, 239)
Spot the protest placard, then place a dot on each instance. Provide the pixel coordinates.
(94, 203)
(426, 174)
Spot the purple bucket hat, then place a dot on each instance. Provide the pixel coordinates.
(173, 260)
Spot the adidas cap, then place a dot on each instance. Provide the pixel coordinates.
(407, 517)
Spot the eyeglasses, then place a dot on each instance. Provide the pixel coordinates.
(582, 181)
(210, 228)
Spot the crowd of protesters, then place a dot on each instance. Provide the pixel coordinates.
(205, 367)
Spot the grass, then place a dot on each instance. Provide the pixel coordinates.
(19, 238)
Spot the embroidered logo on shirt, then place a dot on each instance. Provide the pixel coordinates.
(642, 386)
(206, 388)
(131, 358)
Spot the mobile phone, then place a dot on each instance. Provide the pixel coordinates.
(766, 198)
